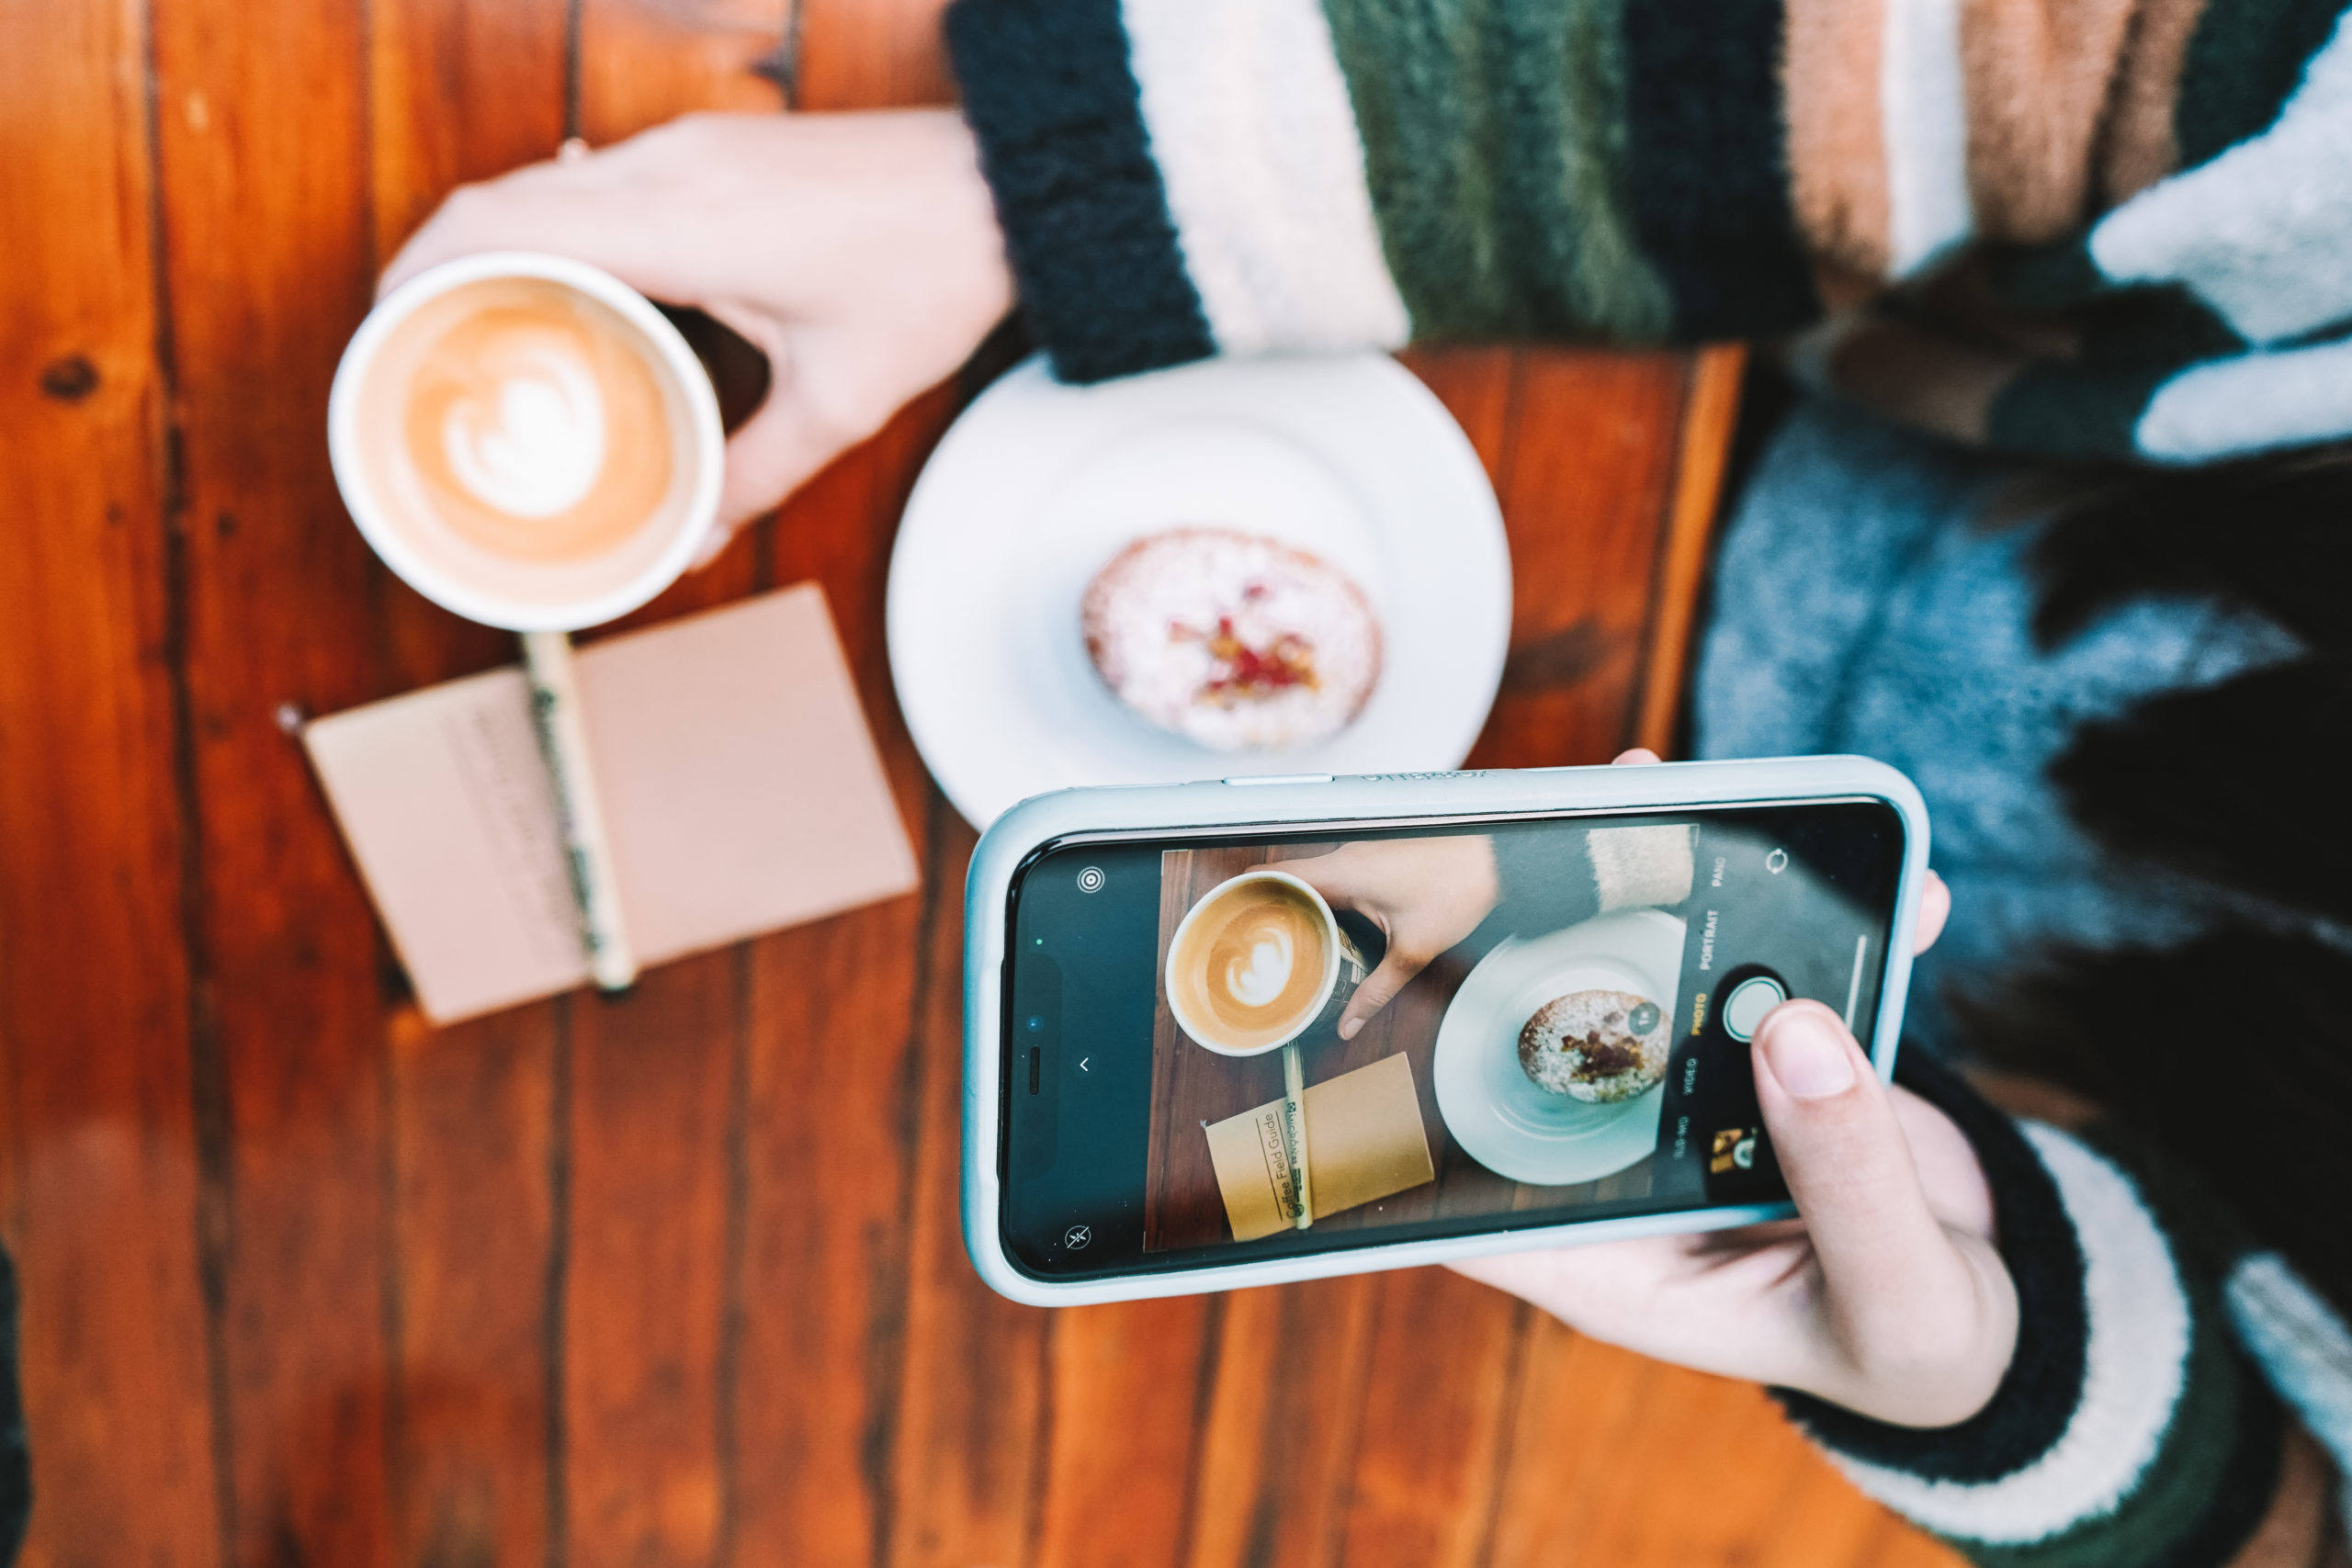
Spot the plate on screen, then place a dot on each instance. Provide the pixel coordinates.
(1494, 1111)
(1039, 484)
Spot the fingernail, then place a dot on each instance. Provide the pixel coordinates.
(1806, 1055)
(1351, 1029)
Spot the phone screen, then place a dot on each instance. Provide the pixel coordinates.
(1194, 1065)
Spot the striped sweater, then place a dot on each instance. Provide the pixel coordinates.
(2059, 227)
(2072, 227)
(2150, 1415)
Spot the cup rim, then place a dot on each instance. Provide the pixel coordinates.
(359, 498)
(1322, 993)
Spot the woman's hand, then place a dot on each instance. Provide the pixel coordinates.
(1425, 895)
(1885, 1294)
(859, 251)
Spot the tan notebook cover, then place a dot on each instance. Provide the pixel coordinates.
(1363, 1142)
(741, 793)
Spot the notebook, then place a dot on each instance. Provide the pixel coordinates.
(740, 787)
(1364, 1142)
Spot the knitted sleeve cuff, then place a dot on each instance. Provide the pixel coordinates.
(1175, 180)
(1551, 879)
(2128, 1428)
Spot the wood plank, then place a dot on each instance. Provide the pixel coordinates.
(653, 1148)
(652, 1085)
(1278, 1445)
(99, 1173)
(1442, 1358)
(460, 93)
(1584, 499)
(1701, 451)
(870, 54)
(473, 1218)
(835, 1088)
(456, 92)
(268, 261)
(1127, 1387)
(643, 61)
(821, 1290)
(970, 1396)
(1619, 1460)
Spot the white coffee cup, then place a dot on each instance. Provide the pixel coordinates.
(548, 454)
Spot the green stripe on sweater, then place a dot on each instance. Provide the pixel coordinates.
(1494, 135)
(1563, 71)
(2056, 409)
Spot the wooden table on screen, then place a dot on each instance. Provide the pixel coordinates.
(675, 1281)
(1191, 1090)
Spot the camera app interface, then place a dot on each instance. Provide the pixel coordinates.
(1286, 1045)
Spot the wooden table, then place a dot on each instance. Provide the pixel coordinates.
(675, 1281)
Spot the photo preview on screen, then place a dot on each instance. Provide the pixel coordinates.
(1569, 1040)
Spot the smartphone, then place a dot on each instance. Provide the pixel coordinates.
(1169, 1089)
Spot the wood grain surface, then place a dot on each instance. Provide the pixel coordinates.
(675, 1280)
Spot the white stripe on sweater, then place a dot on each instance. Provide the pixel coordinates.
(2261, 231)
(2228, 406)
(1257, 145)
(1923, 123)
(2136, 1367)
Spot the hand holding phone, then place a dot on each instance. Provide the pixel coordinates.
(1231, 1033)
(1885, 1295)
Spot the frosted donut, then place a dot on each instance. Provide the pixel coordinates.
(1595, 1045)
(1231, 640)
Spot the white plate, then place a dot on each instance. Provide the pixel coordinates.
(1494, 1111)
(1039, 484)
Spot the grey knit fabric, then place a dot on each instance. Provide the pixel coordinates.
(1862, 604)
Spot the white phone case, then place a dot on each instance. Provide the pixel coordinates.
(1242, 805)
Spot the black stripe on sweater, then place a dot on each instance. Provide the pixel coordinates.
(1048, 92)
(2040, 1392)
(1707, 169)
(2245, 60)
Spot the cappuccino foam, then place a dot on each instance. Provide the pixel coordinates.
(526, 437)
(1251, 964)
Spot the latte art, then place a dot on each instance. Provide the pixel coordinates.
(1267, 975)
(535, 444)
(537, 434)
(1252, 963)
